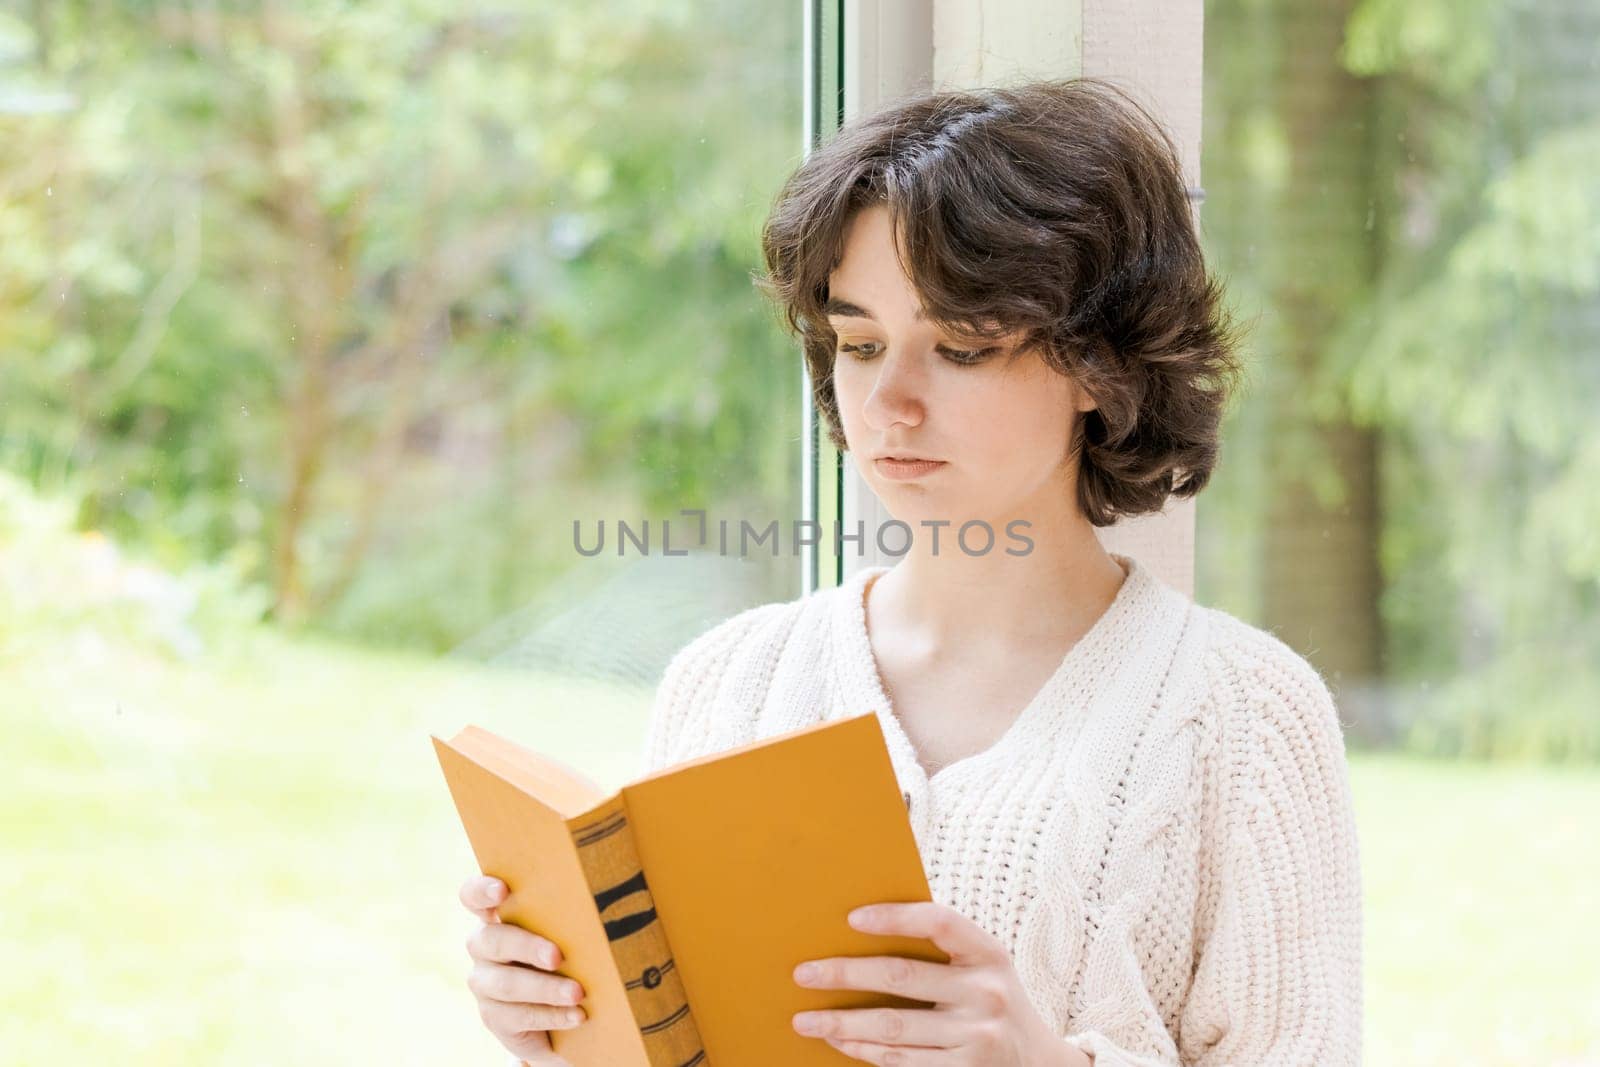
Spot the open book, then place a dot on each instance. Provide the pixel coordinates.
(683, 901)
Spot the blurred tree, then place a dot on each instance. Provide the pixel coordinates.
(1455, 322)
(1289, 222)
(1478, 344)
(284, 278)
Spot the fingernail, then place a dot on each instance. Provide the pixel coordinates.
(805, 972)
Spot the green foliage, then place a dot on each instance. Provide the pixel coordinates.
(1533, 704)
(1468, 347)
(272, 265)
(1475, 351)
(365, 303)
(1451, 46)
(61, 588)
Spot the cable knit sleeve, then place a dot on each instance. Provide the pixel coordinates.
(1277, 979)
(682, 723)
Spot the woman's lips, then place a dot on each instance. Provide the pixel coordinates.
(901, 469)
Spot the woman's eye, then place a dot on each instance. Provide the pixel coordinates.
(955, 356)
(857, 349)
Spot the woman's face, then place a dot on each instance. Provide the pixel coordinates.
(1001, 425)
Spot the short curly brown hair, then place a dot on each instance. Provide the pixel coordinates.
(1054, 209)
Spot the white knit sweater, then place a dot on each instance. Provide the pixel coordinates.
(1164, 839)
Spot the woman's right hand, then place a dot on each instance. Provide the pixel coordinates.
(519, 1000)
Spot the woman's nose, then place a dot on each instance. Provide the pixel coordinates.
(897, 394)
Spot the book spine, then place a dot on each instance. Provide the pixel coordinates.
(637, 938)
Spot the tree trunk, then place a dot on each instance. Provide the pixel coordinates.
(1321, 575)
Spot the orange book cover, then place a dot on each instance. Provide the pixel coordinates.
(683, 901)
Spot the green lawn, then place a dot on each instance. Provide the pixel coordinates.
(1482, 942)
(254, 861)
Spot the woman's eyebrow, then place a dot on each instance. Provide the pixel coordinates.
(840, 306)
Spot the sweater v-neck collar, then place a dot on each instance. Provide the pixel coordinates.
(858, 682)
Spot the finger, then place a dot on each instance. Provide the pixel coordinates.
(519, 1022)
(481, 894)
(519, 985)
(959, 937)
(510, 943)
(871, 1052)
(938, 983)
(913, 1027)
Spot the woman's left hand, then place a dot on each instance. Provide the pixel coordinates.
(981, 1014)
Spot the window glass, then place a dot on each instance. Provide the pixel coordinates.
(322, 324)
(1403, 202)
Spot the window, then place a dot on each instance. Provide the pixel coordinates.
(321, 325)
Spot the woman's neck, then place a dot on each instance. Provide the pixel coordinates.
(953, 602)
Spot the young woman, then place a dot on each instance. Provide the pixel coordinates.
(1134, 811)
